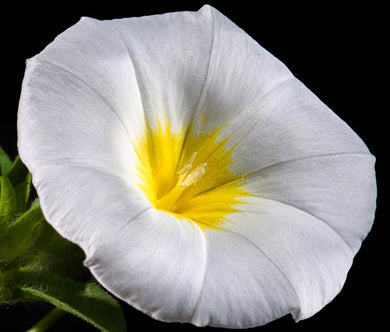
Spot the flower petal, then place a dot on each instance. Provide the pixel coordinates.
(289, 123)
(269, 115)
(171, 55)
(74, 97)
(240, 74)
(100, 77)
(87, 205)
(279, 259)
(161, 262)
(339, 189)
(242, 286)
(153, 252)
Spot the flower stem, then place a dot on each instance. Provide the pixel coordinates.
(47, 321)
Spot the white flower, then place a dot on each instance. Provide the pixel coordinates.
(204, 182)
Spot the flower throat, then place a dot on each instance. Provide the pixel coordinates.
(186, 173)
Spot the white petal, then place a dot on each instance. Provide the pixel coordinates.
(74, 96)
(288, 124)
(104, 77)
(269, 115)
(156, 263)
(148, 258)
(171, 55)
(240, 73)
(87, 205)
(242, 286)
(271, 260)
(339, 189)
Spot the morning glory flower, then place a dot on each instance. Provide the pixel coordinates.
(204, 182)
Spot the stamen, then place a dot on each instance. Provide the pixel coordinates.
(187, 166)
(183, 172)
(195, 176)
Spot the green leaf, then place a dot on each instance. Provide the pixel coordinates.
(30, 242)
(19, 234)
(7, 199)
(56, 254)
(34, 203)
(17, 172)
(5, 294)
(5, 162)
(22, 193)
(86, 301)
(20, 178)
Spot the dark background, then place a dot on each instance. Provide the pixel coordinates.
(336, 50)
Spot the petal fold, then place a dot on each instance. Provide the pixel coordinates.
(339, 189)
(310, 258)
(161, 262)
(242, 287)
(149, 258)
(171, 55)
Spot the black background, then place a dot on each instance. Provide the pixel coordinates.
(337, 50)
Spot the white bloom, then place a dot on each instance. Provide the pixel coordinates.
(203, 181)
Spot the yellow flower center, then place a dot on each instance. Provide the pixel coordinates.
(186, 173)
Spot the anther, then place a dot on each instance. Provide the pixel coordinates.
(195, 176)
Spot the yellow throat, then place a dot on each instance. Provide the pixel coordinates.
(186, 173)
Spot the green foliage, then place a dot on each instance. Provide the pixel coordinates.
(87, 301)
(5, 162)
(16, 238)
(37, 264)
(7, 200)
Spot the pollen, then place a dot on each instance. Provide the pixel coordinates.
(186, 172)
